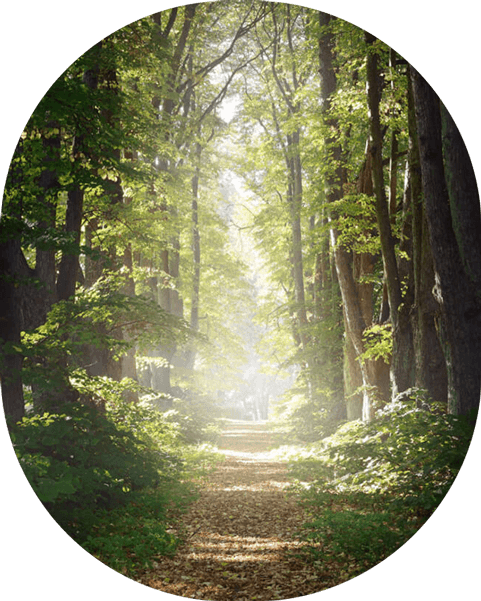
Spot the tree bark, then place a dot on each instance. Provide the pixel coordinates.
(13, 269)
(382, 209)
(401, 369)
(430, 365)
(128, 362)
(69, 264)
(355, 323)
(452, 210)
(295, 203)
(195, 304)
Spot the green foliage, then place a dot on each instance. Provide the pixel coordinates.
(355, 218)
(371, 486)
(377, 343)
(116, 480)
(411, 452)
(194, 415)
(225, 293)
(295, 417)
(110, 472)
(310, 410)
(80, 460)
(299, 417)
(94, 318)
(128, 538)
(366, 538)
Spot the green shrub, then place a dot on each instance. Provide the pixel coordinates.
(128, 538)
(412, 453)
(112, 479)
(81, 460)
(194, 414)
(367, 538)
(370, 487)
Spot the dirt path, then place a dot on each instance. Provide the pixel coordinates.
(242, 531)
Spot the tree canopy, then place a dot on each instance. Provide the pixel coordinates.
(312, 252)
(114, 189)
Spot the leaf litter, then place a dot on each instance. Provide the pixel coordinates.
(242, 537)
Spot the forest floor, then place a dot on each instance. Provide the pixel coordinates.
(241, 536)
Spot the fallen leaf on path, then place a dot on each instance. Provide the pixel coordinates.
(242, 532)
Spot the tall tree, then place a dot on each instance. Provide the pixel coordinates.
(355, 320)
(402, 364)
(289, 84)
(14, 272)
(452, 210)
(193, 33)
(429, 362)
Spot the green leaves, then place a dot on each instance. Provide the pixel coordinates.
(370, 487)
(49, 490)
(111, 481)
(129, 538)
(377, 343)
(399, 448)
(82, 458)
(363, 537)
(93, 318)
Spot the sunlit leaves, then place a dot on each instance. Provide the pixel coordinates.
(370, 487)
(73, 325)
(378, 343)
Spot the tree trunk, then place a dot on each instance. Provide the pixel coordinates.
(452, 210)
(194, 312)
(128, 363)
(373, 382)
(47, 394)
(13, 268)
(352, 382)
(168, 298)
(295, 204)
(430, 365)
(104, 76)
(354, 319)
(382, 209)
(45, 257)
(69, 264)
(401, 370)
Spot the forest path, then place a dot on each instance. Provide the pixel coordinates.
(242, 530)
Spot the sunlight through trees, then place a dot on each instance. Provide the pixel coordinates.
(247, 211)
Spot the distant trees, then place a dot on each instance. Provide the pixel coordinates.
(96, 229)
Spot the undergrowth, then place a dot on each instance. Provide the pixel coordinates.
(128, 538)
(117, 481)
(370, 487)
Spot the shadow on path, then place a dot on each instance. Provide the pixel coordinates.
(242, 539)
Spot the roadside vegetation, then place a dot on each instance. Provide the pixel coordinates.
(370, 486)
(117, 481)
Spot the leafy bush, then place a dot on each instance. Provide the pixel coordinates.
(300, 418)
(127, 538)
(410, 452)
(371, 486)
(81, 461)
(365, 537)
(194, 414)
(55, 351)
(114, 480)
